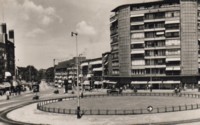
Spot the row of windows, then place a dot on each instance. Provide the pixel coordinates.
(116, 63)
(114, 47)
(114, 39)
(172, 42)
(138, 71)
(155, 71)
(148, 71)
(115, 72)
(154, 43)
(154, 25)
(154, 34)
(155, 62)
(115, 56)
(137, 46)
(160, 43)
(149, 6)
(155, 53)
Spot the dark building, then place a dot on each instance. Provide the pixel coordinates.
(7, 51)
(156, 43)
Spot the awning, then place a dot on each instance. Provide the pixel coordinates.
(138, 82)
(160, 33)
(7, 74)
(172, 21)
(155, 82)
(96, 62)
(6, 84)
(86, 82)
(137, 15)
(171, 82)
(89, 75)
(98, 82)
(98, 69)
(173, 59)
(111, 82)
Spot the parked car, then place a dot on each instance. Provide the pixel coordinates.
(114, 90)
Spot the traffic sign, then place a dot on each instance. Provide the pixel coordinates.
(150, 108)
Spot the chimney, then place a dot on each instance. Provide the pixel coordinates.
(11, 35)
(4, 28)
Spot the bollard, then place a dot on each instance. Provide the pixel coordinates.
(179, 108)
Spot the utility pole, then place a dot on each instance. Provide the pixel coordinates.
(77, 66)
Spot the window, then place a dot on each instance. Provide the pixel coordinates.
(137, 19)
(138, 27)
(137, 46)
(138, 71)
(172, 26)
(172, 34)
(172, 14)
(137, 35)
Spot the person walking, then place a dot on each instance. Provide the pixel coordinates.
(7, 95)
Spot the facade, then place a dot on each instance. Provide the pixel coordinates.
(92, 68)
(7, 51)
(156, 43)
(67, 69)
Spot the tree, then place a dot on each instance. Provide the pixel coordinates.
(49, 74)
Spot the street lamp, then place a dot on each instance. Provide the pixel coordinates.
(78, 106)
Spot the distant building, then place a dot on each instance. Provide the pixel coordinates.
(67, 69)
(7, 51)
(156, 43)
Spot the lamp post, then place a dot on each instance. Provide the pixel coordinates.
(77, 61)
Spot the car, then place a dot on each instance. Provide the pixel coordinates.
(114, 91)
(35, 97)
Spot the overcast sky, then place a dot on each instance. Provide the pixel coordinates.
(43, 28)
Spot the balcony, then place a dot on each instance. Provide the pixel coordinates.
(155, 48)
(137, 51)
(168, 59)
(138, 67)
(173, 68)
(154, 38)
(154, 29)
(155, 66)
(154, 20)
(155, 57)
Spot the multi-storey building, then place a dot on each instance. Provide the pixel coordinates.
(7, 51)
(156, 42)
(92, 68)
(67, 69)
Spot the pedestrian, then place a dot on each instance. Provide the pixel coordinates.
(7, 95)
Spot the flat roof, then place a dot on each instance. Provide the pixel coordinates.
(145, 2)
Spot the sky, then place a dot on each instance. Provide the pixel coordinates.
(43, 28)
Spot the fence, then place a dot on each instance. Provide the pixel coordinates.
(43, 105)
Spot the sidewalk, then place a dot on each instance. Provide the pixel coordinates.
(31, 115)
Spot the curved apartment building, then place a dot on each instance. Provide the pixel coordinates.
(156, 42)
